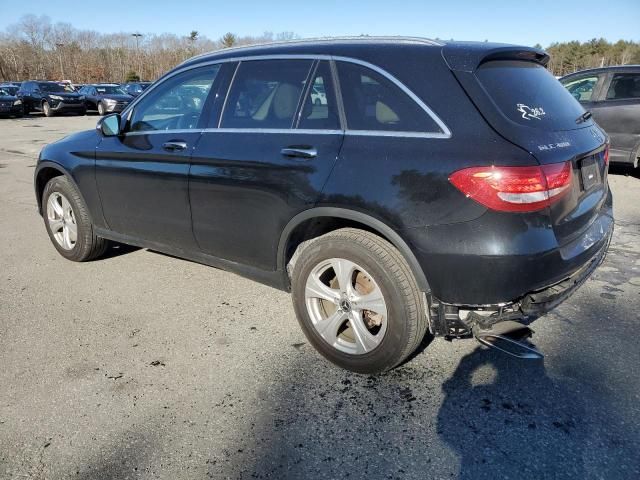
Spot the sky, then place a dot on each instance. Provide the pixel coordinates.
(517, 21)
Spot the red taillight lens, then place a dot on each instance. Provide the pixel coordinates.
(606, 155)
(514, 189)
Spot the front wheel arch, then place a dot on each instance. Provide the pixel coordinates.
(45, 171)
(289, 241)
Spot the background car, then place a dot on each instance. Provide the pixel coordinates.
(9, 103)
(318, 95)
(10, 88)
(105, 98)
(50, 98)
(135, 88)
(612, 95)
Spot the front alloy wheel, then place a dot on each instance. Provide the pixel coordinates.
(67, 220)
(62, 221)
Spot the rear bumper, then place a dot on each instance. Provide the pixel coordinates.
(498, 260)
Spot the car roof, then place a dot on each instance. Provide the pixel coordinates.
(459, 55)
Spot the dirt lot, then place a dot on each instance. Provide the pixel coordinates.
(145, 366)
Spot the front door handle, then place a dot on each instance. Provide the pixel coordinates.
(174, 146)
(300, 152)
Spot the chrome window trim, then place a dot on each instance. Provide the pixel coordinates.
(392, 133)
(443, 134)
(304, 131)
(157, 132)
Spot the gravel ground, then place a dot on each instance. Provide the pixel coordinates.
(141, 365)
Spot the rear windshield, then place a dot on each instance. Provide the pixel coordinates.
(529, 95)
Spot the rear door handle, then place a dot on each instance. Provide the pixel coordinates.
(300, 152)
(174, 146)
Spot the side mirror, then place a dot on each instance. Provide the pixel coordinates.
(109, 126)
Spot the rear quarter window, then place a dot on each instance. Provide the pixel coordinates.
(373, 102)
(527, 94)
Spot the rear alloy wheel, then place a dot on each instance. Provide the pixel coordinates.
(101, 109)
(67, 221)
(46, 108)
(357, 301)
(346, 306)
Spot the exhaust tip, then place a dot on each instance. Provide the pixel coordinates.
(508, 337)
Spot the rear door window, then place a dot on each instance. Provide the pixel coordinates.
(265, 94)
(581, 88)
(624, 86)
(373, 102)
(320, 107)
(527, 94)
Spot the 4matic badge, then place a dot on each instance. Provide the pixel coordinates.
(530, 112)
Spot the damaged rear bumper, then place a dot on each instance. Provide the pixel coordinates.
(458, 321)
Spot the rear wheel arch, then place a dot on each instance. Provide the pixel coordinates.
(316, 222)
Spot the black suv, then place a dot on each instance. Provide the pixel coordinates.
(452, 187)
(612, 95)
(50, 98)
(105, 98)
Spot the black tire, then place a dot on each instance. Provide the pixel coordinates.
(407, 322)
(82, 113)
(46, 109)
(88, 246)
(101, 109)
(25, 109)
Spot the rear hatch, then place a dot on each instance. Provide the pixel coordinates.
(526, 105)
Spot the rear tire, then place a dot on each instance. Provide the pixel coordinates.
(389, 287)
(63, 208)
(101, 109)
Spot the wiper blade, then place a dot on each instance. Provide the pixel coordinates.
(584, 117)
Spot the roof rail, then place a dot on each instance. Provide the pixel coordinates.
(360, 38)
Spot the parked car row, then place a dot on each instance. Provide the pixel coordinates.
(51, 98)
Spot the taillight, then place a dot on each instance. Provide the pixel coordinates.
(514, 189)
(606, 155)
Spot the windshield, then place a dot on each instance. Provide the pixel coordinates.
(109, 90)
(527, 94)
(3, 92)
(51, 87)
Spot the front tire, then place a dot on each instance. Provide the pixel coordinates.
(46, 108)
(67, 221)
(101, 109)
(357, 301)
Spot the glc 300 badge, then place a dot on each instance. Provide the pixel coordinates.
(530, 112)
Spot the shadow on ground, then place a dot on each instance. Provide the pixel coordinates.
(499, 418)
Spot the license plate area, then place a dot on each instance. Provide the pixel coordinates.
(590, 173)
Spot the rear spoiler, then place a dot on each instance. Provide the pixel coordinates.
(468, 56)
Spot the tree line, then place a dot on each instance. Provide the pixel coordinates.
(35, 48)
(569, 57)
